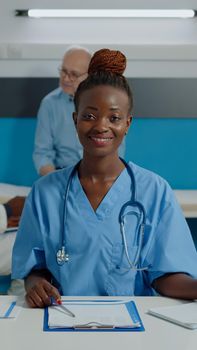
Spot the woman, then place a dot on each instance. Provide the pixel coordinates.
(78, 236)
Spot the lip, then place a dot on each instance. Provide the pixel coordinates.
(67, 85)
(101, 141)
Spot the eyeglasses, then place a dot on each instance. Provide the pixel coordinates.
(71, 75)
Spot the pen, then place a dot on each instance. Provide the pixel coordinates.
(63, 307)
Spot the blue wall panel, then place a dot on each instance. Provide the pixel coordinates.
(16, 147)
(165, 145)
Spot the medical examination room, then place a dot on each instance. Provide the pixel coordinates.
(98, 174)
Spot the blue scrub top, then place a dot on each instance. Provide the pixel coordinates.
(98, 264)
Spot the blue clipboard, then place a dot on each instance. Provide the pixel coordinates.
(130, 305)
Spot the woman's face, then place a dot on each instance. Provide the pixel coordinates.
(102, 119)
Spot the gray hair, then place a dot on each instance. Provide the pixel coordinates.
(72, 48)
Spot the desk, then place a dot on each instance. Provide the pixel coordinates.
(26, 332)
(188, 201)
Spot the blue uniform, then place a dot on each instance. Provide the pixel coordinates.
(98, 264)
(56, 140)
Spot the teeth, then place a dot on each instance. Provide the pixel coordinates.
(101, 139)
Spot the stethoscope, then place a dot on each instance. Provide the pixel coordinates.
(62, 255)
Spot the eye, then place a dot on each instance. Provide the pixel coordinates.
(88, 116)
(115, 118)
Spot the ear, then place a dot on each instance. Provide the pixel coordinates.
(75, 118)
(129, 121)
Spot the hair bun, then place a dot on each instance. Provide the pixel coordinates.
(107, 60)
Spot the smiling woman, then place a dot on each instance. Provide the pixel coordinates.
(103, 226)
(103, 123)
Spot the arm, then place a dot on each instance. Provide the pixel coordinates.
(29, 257)
(176, 285)
(46, 169)
(172, 257)
(44, 153)
(39, 289)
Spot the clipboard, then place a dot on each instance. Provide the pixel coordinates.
(130, 306)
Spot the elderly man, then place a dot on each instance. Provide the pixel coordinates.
(56, 141)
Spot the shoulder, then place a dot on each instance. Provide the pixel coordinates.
(52, 184)
(145, 174)
(55, 94)
(150, 183)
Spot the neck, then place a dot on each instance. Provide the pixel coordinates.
(100, 168)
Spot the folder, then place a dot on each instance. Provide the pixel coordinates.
(183, 314)
(93, 315)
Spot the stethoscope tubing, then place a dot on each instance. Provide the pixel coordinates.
(62, 254)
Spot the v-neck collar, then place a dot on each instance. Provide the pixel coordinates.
(107, 204)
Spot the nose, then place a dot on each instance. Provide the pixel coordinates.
(66, 77)
(101, 125)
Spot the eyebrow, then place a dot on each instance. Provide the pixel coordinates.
(111, 109)
(71, 71)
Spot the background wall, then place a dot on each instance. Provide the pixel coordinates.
(166, 146)
(162, 136)
(162, 62)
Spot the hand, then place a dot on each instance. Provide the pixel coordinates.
(46, 169)
(40, 293)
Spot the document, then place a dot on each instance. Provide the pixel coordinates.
(184, 314)
(94, 315)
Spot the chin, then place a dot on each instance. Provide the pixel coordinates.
(68, 90)
(100, 153)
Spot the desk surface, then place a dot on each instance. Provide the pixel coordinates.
(26, 332)
(188, 202)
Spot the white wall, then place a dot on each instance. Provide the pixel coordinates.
(154, 48)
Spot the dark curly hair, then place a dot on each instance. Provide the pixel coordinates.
(106, 68)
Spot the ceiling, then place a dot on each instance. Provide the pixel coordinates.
(127, 31)
(154, 47)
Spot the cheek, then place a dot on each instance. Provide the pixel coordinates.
(80, 129)
(121, 129)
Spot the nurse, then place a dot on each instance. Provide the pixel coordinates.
(77, 236)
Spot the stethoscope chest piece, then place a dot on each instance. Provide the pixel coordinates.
(61, 256)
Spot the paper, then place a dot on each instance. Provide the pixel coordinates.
(184, 315)
(90, 315)
(9, 310)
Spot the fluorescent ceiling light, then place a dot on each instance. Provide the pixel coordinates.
(109, 13)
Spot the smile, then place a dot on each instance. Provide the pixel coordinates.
(101, 138)
(101, 141)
